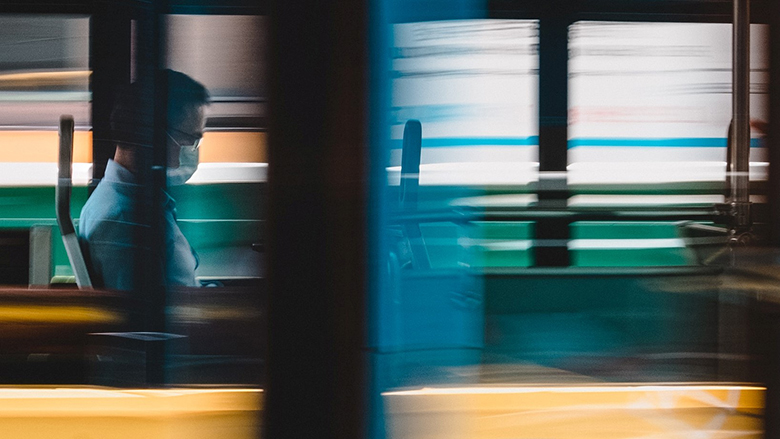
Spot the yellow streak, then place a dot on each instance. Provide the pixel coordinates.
(37, 76)
(57, 314)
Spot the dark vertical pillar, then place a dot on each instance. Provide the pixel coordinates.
(127, 43)
(770, 339)
(109, 60)
(150, 267)
(553, 233)
(773, 136)
(316, 227)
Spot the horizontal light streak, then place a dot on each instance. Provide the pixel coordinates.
(624, 244)
(57, 315)
(79, 393)
(45, 174)
(663, 387)
(485, 173)
(209, 173)
(642, 200)
(472, 173)
(45, 77)
(659, 142)
(680, 142)
(500, 245)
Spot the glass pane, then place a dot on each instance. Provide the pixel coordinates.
(44, 73)
(650, 106)
(471, 336)
(220, 208)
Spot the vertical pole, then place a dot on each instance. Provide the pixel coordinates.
(157, 288)
(773, 135)
(553, 135)
(149, 275)
(740, 101)
(109, 60)
(769, 339)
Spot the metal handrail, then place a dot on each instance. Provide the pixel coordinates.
(739, 156)
(62, 196)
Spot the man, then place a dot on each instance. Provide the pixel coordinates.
(110, 226)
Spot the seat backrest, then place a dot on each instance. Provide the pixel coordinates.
(409, 186)
(62, 195)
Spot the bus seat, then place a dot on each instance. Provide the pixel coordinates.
(62, 196)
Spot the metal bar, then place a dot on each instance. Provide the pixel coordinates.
(552, 189)
(62, 194)
(410, 164)
(740, 152)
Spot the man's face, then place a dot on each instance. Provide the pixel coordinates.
(185, 133)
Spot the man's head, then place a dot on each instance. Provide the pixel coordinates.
(186, 101)
(132, 121)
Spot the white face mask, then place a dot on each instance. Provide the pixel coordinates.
(188, 164)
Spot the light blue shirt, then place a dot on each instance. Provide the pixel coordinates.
(108, 232)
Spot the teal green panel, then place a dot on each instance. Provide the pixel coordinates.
(638, 256)
(502, 230)
(219, 201)
(36, 202)
(25, 223)
(630, 257)
(221, 233)
(623, 230)
(501, 243)
(486, 258)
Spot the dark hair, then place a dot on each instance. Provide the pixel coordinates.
(132, 117)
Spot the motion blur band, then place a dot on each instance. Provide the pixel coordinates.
(110, 222)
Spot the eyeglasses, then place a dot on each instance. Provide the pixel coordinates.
(193, 141)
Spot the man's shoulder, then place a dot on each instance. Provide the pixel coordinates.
(106, 196)
(109, 203)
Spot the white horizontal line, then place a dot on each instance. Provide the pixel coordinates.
(513, 245)
(578, 389)
(592, 244)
